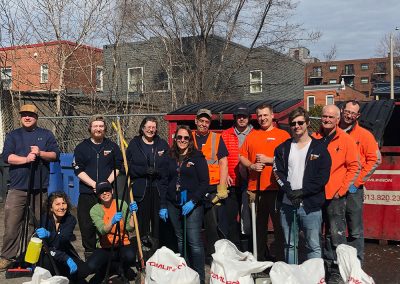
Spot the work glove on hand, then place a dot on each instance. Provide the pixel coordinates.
(72, 266)
(295, 194)
(42, 233)
(252, 196)
(117, 217)
(133, 207)
(296, 202)
(188, 207)
(163, 213)
(353, 188)
(222, 193)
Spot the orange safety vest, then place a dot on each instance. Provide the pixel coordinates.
(210, 150)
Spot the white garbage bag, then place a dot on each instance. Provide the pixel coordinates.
(309, 272)
(43, 276)
(350, 266)
(164, 266)
(233, 266)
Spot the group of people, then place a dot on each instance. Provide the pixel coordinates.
(202, 184)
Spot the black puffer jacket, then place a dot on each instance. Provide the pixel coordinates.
(138, 163)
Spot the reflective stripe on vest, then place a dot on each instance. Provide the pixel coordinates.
(211, 155)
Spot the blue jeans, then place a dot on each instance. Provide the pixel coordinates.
(335, 227)
(194, 223)
(354, 218)
(309, 223)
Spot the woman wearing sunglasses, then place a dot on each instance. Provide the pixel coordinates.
(181, 202)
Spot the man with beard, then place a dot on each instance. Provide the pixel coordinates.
(95, 160)
(370, 158)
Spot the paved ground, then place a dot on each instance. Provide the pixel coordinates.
(382, 262)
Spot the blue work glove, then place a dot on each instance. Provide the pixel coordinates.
(42, 233)
(187, 208)
(163, 214)
(353, 188)
(133, 207)
(72, 266)
(117, 217)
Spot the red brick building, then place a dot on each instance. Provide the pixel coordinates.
(360, 74)
(329, 94)
(38, 68)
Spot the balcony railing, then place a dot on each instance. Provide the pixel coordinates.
(315, 74)
(348, 72)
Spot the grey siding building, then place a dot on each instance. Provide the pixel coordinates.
(189, 70)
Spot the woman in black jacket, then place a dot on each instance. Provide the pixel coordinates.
(181, 202)
(147, 168)
(56, 230)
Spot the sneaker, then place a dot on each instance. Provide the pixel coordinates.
(4, 263)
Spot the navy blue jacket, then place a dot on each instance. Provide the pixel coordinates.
(59, 242)
(138, 165)
(193, 178)
(18, 142)
(97, 164)
(316, 173)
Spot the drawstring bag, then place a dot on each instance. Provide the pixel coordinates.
(233, 266)
(309, 272)
(166, 267)
(350, 266)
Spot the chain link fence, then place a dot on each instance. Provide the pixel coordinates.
(315, 123)
(71, 130)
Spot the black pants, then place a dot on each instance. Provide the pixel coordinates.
(86, 226)
(122, 258)
(147, 214)
(233, 204)
(63, 269)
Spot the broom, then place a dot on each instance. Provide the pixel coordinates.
(135, 221)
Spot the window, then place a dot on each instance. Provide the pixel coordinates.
(364, 66)
(329, 100)
(99, 78)
(6, 78)
(310, 102)
(364, 80)
(349, 69)
(333, 68)
(135, 79)
(380, 67)
(316, 72)
(44, 73)
(332, 81)
(255, 81)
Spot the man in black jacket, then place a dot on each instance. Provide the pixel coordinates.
(95, 159)
(301, 166)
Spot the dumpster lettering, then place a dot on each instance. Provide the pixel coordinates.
(382, 197)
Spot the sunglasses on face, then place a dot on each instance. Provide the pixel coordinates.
(180, 137)
(300, 122)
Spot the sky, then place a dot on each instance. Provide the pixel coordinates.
(355, 26)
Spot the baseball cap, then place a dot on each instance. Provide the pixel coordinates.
(28, 108)
(103, 187)
(242, 109)
(204, 111)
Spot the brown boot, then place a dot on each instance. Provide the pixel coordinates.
(4, 263)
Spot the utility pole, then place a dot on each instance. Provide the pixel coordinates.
(391, 66)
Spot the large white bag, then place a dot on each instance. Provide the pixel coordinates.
(309, 272)
(350, 266)
(43, 276)
(233, 266)
(164, 266)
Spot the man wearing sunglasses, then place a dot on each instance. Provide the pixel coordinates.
(215, 152)
(370, 158)
(24, 149)
(301, 167)
(237, 178)
(344, 172)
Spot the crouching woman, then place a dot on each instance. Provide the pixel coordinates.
(105, 216)
(56, 231)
